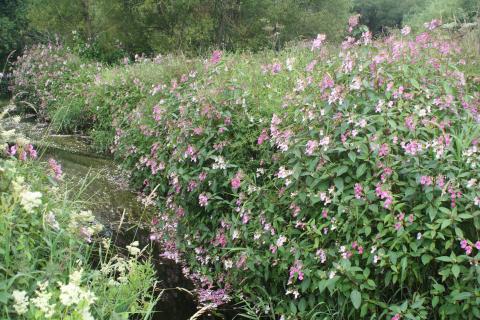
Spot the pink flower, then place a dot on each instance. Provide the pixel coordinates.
(433, 24)
(477, 245)
(463, 244)
(468, 250)
(409, 123)
(317, 43)
(31, 151)
(311, 147)
(23, 155)
(236, 181)
(327, 82)
(276, 68)
(12, 150)
(216, 56)
(396, 317)
(353, 22)
(385, 195)
(358, 191)
(202, 176)
(203, 200)
(198, 131)
(412, 147)
(324, 214)
(406, 30)
(310, 66)
(384, 150)
(426, 181)
(263, 136)
(56, 168)
(296, 270)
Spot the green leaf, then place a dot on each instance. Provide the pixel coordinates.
(352, 156)
(426, 258)
(302, 305)
(356, 298)
(432, 213)
(338, 183)
(455, 270)
(462, 296)
(444, 259)
(446, 223)
(361, 170)
(415, 83)
(341, 170)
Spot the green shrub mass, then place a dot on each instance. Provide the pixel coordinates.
(314, 183)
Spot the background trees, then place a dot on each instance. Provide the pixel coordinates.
(108, 30)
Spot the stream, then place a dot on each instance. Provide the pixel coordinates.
(102, 186)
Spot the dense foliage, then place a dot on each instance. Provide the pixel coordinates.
(313, 183)
(454, 12)
(109, 29)
(13, 26)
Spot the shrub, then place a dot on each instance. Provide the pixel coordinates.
(357, 197)
(53, 82)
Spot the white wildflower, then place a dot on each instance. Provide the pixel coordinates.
(69, 294)
(42, 301)
(20, 301)
(76, 277)
(30, 200)
(52, 220)
(281, 241)
(228, 264)
(133, 248)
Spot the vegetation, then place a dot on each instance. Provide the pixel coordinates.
(291, 178)
(310, 183)
(54, 263)
(111, 29)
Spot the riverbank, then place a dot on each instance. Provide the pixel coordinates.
(311, 182)
(86, 181)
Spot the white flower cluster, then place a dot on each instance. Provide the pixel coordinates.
(71, 294)
(20, 300)
(472, 156)
(30, 200)
(42, 300)
(219, 163)
(133, 249)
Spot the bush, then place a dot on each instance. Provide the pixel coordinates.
(53, 82)
(349, 201)
(48, 249)
(313, 183)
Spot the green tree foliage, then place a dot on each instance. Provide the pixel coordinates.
(108, 27)
(12, 28)
(381, 14)
(447, 10)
